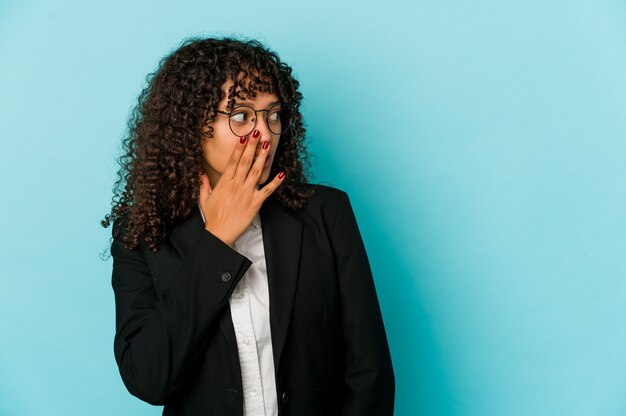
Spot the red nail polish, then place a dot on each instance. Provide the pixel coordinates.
(255, 134)
(281, 175)
(266, 145)
(242, 140)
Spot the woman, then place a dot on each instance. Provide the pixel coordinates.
(240, 288)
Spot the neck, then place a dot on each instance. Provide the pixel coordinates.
(214, 176)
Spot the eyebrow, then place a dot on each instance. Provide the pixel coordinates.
(248, 103)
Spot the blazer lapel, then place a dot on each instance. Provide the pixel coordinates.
(282, 241)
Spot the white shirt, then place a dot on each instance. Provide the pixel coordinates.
(250, 312)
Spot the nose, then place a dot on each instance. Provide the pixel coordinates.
(263, 128)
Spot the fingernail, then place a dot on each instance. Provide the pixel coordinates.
(243, 139)
(255, 134)
(281, 175)
(265, 145)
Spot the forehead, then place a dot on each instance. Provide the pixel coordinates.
(250, 96)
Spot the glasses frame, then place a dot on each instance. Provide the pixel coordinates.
(256, 118)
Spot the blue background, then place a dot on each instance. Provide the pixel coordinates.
(481, 143)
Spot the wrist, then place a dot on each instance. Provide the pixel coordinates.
(229, 242)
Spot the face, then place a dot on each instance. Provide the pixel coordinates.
(217, 149)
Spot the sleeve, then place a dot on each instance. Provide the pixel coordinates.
(368, 371)
(157, 339)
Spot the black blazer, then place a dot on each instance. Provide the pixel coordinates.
(175, 341)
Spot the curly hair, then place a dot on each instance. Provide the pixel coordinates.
(158, 180)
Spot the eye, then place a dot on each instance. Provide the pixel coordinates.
(239, 117)
(274, 115)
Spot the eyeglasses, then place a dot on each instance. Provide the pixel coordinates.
(242, 119)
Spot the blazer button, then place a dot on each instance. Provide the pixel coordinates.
(285, 397)
(226, 277)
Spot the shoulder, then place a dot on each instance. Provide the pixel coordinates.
(119, 242)
(324, 206)
(324, 196)
(329, 215)
(325, 193)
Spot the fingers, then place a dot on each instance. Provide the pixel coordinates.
(269, 188)
(245, 161)
(235, 156)
(258, 164)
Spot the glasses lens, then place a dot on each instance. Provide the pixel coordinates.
(242, 120)
(275, 119)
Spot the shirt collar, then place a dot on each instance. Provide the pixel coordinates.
(256, 221)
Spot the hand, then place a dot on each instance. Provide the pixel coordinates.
(230, 207)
